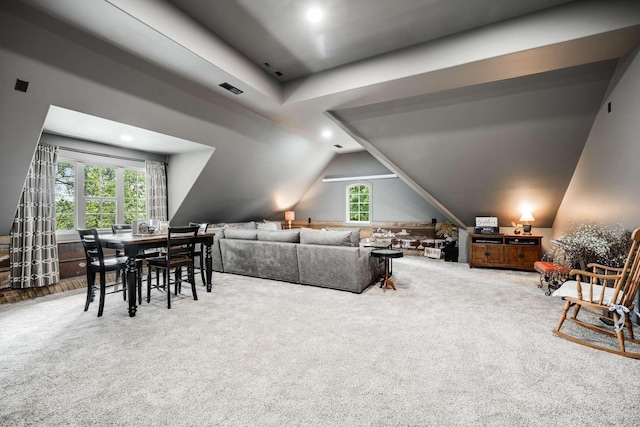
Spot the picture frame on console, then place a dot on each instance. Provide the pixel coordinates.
(487, 225)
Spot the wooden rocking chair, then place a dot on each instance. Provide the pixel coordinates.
(597, 297)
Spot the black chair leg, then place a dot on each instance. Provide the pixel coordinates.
(103, 287)
(149, 284)
(140, 283)
(204, 281)
(193, 283)
(166, 284)
(91, 282)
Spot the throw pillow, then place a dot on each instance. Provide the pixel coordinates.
(277, 223)
(319, 237)
(267, 226)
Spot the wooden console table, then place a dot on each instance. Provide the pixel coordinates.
(505, 251)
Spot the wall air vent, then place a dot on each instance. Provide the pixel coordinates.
(230, 88)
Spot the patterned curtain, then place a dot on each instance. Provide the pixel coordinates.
(33, 250)
(156, 190)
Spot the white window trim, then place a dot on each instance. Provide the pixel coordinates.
(347, 204)
(79, 198)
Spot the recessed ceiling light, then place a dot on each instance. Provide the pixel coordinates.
(327, 134)
(315, 15)
(126, 137)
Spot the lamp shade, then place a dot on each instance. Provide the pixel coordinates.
(526, 217)
(289, 216)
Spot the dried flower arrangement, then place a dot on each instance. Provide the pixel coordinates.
(447, 230)
(585, 243)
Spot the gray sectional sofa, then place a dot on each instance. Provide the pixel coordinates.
(330, 259)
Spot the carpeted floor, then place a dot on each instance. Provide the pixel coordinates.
(452, 346)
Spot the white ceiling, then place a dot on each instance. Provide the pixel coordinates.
(61, 121)
(365, 52)
(350, 31)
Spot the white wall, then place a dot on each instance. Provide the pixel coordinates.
(605, 185)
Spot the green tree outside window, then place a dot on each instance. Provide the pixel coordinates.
(65, 195)
(359, 206)
(135, 196)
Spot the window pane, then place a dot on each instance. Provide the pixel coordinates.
(135, 203)
(358, 201)
(99, 181)
(109, 207)
(100, 213)
(65, 195)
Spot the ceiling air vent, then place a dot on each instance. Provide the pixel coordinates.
(272, 70)
(230, 88)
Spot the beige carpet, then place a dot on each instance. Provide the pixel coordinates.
(452, 346)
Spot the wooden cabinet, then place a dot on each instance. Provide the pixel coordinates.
(505, 251)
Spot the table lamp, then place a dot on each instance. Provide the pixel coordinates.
(526, 217)
(289, 216)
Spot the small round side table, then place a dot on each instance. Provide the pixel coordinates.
(387, 255)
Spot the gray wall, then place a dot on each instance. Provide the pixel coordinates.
(605, 186)
(393, 200)
(247, 176)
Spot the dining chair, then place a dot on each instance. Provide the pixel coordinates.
(142, 255)
(98, 263)
(180, 253)
(199, 250)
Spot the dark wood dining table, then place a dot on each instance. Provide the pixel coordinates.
(133, 244)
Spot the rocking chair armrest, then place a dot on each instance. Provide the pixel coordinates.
(592, 275)
(604, 267)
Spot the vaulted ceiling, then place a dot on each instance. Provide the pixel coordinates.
(479, 106)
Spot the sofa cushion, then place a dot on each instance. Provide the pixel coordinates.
(276, 260)
(291, 236)
(251, 225)
(278, 224)
(240, 234)
(309, 236)
(269, 226)
(355, 234)
(238, 256)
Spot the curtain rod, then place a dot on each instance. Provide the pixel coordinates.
(111, 156)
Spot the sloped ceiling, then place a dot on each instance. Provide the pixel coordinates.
(459, 68)
(493, 149)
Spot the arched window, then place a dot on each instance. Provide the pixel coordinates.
(359, 203)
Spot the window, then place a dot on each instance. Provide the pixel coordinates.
(65, 195)
(99, 196)
(135, 195)
(359, 203)
(108, 194)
